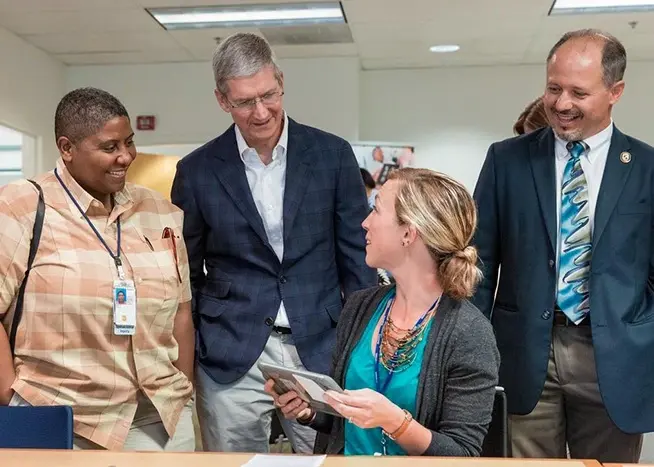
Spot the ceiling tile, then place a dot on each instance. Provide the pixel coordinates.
(178, 3)
(469, 60)
(316, 50)
(443, 11)
(80, 21)
(104, 42)
(386, 33)
(63, 5)
(126, 57)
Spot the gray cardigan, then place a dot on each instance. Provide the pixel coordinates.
(457, 382)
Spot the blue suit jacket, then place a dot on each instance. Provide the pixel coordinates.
(236, 301)
(516, 198)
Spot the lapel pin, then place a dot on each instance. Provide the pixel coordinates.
(625, 157)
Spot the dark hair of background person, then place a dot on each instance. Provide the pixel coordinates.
(368, 181)
(532, 118)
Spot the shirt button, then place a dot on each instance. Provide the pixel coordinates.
(269, 321)
(547, 314)
(551, 263)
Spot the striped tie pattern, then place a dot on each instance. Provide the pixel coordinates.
(576, 244)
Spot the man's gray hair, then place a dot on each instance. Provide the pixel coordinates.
(241, 55)
(614, 55)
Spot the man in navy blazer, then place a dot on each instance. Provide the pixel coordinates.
(273, 213)
(565, 215)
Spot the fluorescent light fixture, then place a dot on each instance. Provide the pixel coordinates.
(443, 49)
(562, 7)
(234, 16)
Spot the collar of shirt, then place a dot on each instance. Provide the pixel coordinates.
(593, 143)
(123, 199)
(249, 154)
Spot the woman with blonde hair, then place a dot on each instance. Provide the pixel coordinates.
(418, 362)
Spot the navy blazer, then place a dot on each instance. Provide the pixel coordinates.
(516, 198)
(235, 303)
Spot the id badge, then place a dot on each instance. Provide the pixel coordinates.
(124, 297)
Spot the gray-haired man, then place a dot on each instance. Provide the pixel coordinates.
(273, 210)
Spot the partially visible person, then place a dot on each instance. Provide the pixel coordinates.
(565, 216)
(127, 373)
(376, 163)
(371, 187)
(418, 362)
(532, 118)
(273, 211)
(406, 157)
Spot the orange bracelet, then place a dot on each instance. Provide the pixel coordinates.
(405, 424)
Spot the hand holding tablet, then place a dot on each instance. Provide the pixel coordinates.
(309, 386)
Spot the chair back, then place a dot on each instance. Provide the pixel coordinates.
(45, 427)
(498, 442)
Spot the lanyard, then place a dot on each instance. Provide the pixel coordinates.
(116, 257)
(389, 305)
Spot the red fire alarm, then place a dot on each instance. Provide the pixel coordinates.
(145, 122)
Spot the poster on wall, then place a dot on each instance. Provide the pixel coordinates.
(381, 159)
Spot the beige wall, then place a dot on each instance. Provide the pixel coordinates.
(154, 171)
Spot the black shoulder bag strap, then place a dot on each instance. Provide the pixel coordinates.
(34, 246)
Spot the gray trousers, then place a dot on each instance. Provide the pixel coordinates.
(570, 415)
(236, 417)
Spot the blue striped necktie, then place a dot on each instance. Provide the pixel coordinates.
(575, 243)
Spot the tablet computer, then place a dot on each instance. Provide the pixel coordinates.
(308, 385)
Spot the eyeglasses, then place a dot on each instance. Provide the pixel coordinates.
(268, 99)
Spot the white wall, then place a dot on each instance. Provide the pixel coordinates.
(322, 93)
(31, 84)
(452, 115)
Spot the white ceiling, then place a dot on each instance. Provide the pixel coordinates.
(386, 33)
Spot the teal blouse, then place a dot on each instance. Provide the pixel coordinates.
(401, 390)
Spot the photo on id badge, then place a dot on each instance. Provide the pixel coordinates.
(124, 298)
(121, 296)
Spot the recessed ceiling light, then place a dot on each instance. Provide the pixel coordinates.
(234, 16)
(444, 48)
(600, 6)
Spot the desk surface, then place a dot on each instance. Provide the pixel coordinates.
(628, 465)
(19, 458)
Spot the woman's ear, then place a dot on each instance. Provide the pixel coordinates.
(410, 235)
(65, 148)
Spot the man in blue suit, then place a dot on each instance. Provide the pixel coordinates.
(273, 213)
(565, 214)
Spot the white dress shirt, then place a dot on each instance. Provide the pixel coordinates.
(267, 183)
(593, 162)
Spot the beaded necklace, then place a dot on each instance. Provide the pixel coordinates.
(397, 354)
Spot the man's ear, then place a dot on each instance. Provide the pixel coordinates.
(616, 92)
(222, 100)
(65, 147)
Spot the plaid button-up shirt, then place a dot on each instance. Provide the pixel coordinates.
(66, 351)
